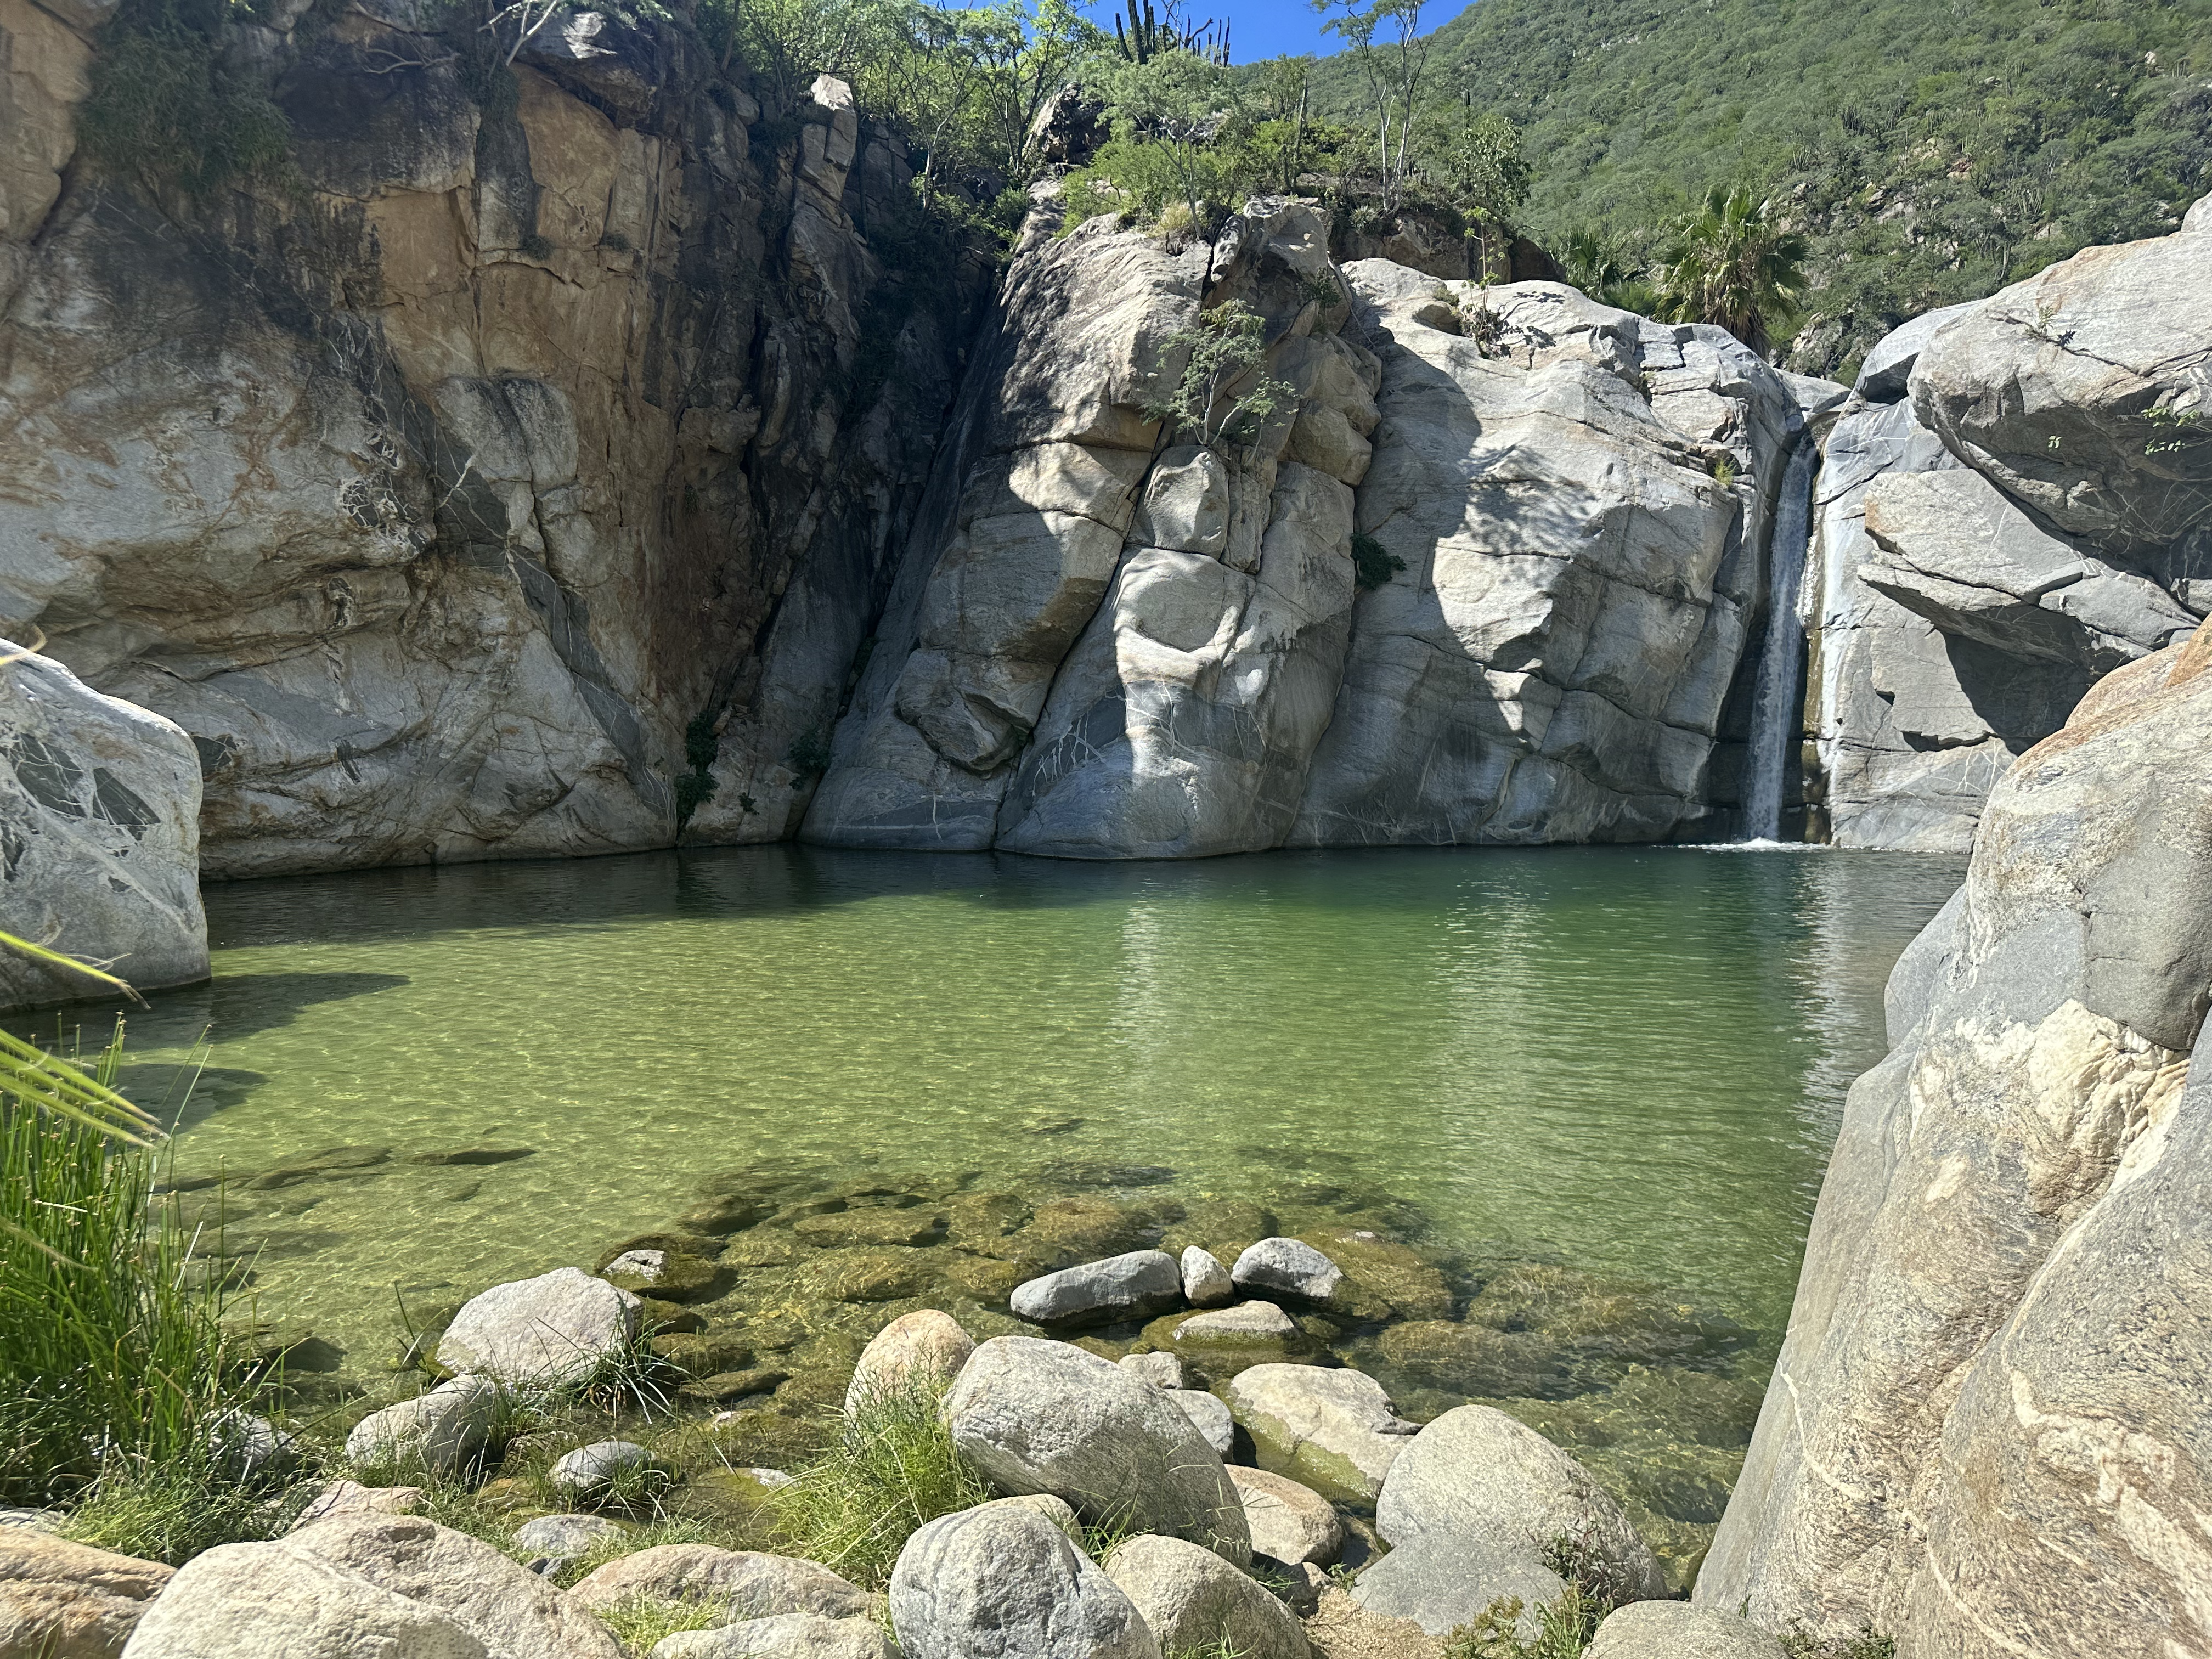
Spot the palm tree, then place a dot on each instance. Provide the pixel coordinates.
(1605, 269)
(1729, 265)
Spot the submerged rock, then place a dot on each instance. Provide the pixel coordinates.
(596, 1470)
(1033, 1416)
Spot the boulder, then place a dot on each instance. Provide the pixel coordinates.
(1333, 1430)
(2050, 388)
(1289, 1522)
(1248, 1324)
(60, 1600)
(785, 1636)
(1982, 1409)
(920, 1352)
(547, 1332)
(1205, 1282)
(1211, 1414)
(564, 1534)
(99, 805)
(1131, 1286)
(1002, 1582)
(1285, 1266)
(757, 1584)
(1160, 1369)
(596, 1470)
(349, 1497)
(1885, 373)
(437, 1432)
(1192, 1599)
(1440, 1589)
(366, 1584)
(1477, 1481)
(1033, 1416)
(1676, 1630)
(246, 1447)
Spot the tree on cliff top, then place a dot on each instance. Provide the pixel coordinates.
(1728, 264)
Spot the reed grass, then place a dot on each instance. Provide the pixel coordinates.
(893, 1470)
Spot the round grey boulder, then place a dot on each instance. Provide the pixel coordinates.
(546, 1332)
(1333, 1430)
(1135, 1285)
(590, 1471)
(365, 1585)
(1205, 1282)
(247, 1447)
(1037, 1416)
(1442, 1587)
(1192, 1599)
(785, 1636)
(1211, 1416)
(1676, 1630)
(1291, 1523)
(1286, 1266)
(1476, 1480)
(1002, 1582)
(434, 1433)
(917, 1352)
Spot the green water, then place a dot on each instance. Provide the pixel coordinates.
(1627, 1060)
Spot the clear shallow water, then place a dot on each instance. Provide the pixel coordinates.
(1626, 1060)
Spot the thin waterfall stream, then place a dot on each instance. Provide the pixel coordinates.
(1775, 694)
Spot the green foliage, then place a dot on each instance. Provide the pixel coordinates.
(1730, 263)
(696, 786)
(894, 1470)
(1222, 396)
(1929, 153)
(809, 754)
(1148, 36)
(1170, 109)
(1478, 161)
(1866, 1643)
(1372, 563)
(166, 109)
(1385, 47)
(640, 1622)
(111, 1351)
(1565, 1627)
(172, 1511)
(1606, 267)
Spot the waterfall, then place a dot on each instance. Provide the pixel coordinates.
(1776, 694)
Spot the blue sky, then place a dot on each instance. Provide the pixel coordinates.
(1262, 28)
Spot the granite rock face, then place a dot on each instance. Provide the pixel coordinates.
(1965, 592)
(1553, 660)
(100, 807)
(1985, 1433)
(436, 497)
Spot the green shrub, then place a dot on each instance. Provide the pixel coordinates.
(171, 1512)
(640, 1622)
(809, 754)
(164, 112)
(894, 1469)
(1372, 563)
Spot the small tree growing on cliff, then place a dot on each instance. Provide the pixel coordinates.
(1222, 395)
(1728, 264)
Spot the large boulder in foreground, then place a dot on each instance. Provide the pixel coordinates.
(1479, 1506)
(1033, 1416)
(1001, 1579)
(363, 1585)
(100, 820)
(2062, 388)
(1192, 1599)
(547, 1332)
(1987, 1432)
(64, 1601)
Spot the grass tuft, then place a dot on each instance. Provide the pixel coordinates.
(894, 1469)
(640, 1622)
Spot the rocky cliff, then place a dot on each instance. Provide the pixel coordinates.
(1485, 574)
(2013, 502)
(441, 485)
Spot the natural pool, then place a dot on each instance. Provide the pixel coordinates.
(1624, 1061)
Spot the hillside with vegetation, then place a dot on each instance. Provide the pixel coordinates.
(1928, 153)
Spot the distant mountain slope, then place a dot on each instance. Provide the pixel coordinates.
(1935, 150)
